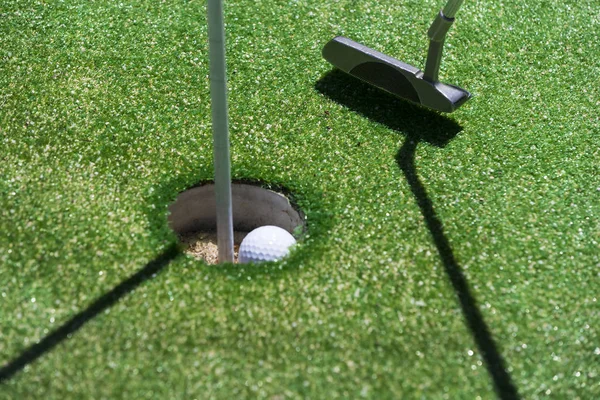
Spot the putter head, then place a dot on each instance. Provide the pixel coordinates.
(393, 76)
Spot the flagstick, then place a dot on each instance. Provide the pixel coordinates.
(218, 92)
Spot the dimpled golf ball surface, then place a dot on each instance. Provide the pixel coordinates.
(267, 243)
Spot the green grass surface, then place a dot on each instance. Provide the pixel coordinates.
(447, 256)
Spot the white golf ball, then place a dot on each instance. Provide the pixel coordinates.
(267, 243)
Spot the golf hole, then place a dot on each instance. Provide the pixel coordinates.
(193, 216)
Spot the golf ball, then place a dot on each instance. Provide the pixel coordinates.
(267, 243)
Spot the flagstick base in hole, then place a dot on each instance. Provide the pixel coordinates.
(222, 162)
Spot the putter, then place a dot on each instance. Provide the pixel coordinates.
(398, 78)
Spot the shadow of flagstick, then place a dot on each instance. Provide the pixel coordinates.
(505, 388)
(107, 300)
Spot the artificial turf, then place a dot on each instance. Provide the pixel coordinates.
(446, 256)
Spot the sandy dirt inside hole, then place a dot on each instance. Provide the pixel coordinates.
(203, 245)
